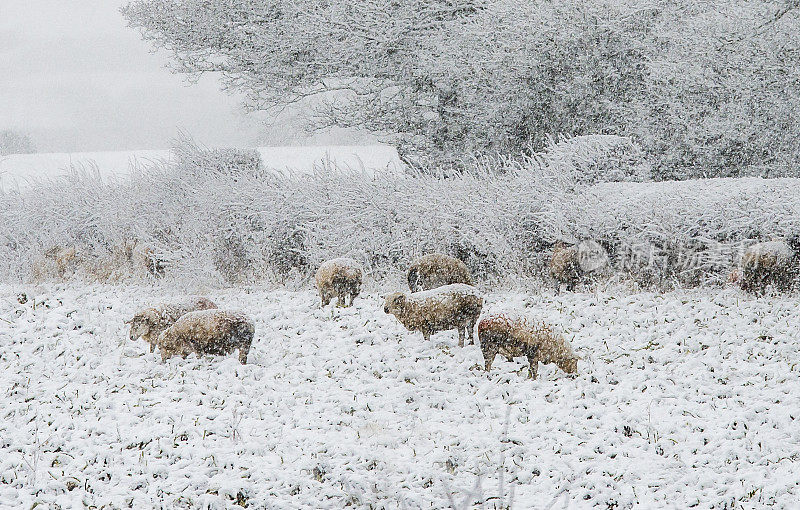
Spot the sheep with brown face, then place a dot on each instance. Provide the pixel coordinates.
(436, 270)
(215, 332)
(455, 306)
(571, 265)
(512, 337)
(340, 277)
(149, 323)
(764, 264)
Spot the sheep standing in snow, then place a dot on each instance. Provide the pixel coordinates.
(514, 337)
(341, 278)
(763, 264)
(455, 306)
(208, 332)
(436, 270)
(571, 264)
(126, 259)
(149, 323)
(56, 263)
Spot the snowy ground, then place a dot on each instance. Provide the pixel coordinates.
(683, 399)
(21, 171)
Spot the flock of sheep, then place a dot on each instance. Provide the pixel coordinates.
(766, 264)
(442, 298)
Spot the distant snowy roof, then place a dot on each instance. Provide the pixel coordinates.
(20, 169)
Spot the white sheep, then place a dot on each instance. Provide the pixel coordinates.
(340, 277)
(455, 306)
(435, 270)
(571, 264)
(512, 337)
(149, 323)
(215, 332)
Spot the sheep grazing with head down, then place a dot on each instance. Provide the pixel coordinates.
(763, 264)
(436, 270)
(340, 277)
(455, 306)
(216, 332)
(149, 323)
(512, 337)
(572, 264)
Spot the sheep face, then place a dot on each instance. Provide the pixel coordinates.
(395, 303)
(347, 285)
(140, 325)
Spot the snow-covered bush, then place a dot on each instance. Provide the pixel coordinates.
(13, 142)
(594, 159)
(191, 157)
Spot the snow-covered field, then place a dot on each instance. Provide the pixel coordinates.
(684, 399)
(21, 171)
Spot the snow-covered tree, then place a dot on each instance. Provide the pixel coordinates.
(707, 88)
(13, 142)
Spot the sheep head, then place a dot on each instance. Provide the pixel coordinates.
(395, 303)
(140, 324)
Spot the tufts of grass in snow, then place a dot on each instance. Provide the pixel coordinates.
(686, 398)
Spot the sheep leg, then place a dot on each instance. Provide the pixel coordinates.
(325, 297)
(152, 346)
(340, 299)
(533, 367)
(471, 330)
(461, 334)
(426, 335)
(488, 356)
(243, 350)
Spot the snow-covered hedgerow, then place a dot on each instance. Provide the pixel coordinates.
(252, 223)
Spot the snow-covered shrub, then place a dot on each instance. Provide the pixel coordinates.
(505, 216)
(231, 259)
(191, 157)
(287, 251)
(594, 159)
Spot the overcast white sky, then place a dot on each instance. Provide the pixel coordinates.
(76, 78)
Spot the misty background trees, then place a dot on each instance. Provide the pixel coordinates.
(14, 142)
(706, 88)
